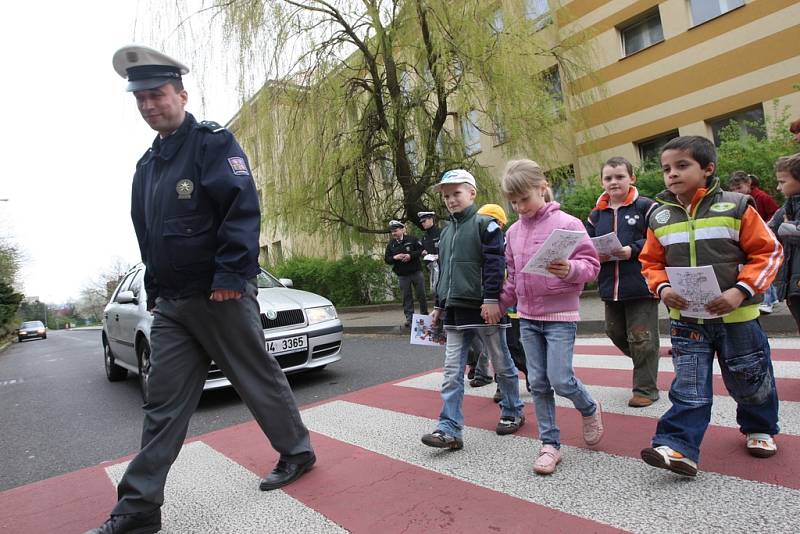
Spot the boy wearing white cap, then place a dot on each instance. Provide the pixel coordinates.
(472, 267)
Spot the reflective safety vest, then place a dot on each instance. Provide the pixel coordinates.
(708, 236)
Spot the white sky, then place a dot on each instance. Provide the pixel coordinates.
(70, 138)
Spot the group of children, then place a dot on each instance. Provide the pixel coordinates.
(692, 223)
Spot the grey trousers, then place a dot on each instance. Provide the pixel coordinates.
(632, 325)
(418, 281)
(186, 334)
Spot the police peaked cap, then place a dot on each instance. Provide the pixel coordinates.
(395, 224)
(146, 68)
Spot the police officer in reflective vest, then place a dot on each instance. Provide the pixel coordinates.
(196, 215)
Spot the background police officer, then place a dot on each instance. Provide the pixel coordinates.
(403, 253)
(196, 215)
(430, 245)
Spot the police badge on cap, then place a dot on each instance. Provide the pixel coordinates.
(145, 68)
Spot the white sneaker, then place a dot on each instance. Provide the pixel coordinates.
(765, 308)
(664, 457)
(761, 445)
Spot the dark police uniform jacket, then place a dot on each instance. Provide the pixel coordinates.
(408, 245)
(196, 213)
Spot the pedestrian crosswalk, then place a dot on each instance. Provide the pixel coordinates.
(374, 475)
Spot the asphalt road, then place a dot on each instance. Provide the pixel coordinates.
(58, 413)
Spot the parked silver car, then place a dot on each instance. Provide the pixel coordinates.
(301, 329)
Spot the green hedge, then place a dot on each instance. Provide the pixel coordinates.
(349, 281)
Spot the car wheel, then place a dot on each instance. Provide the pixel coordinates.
(144, 369)
(114, 372)
(20, 339)
(44, 336)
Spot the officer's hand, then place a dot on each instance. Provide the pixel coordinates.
(725, 303)
(436, 315)
(671, 298)
(491, 313)
(219, 295)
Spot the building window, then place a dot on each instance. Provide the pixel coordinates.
(500, 135)
(411, 154)
(705, 10)
(472, 136)
(552, 82)
(561, 180)
(497, 24)
(643, 33)
(539, 12)
(748, 121)
(650, 149)
(277, 252)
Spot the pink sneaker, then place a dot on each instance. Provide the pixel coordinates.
(549, 458)
(593, 427)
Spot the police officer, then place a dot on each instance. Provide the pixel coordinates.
(403, 253)
(196, 215)
(430, 245)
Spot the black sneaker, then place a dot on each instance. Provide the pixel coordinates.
(509, 425)
(470, 372)
(440, 440)
(480, 382)
(141, 523)
(497, 396)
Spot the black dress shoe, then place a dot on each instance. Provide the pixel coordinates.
(141, 523)
(285, 473)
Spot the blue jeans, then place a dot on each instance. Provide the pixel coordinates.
(548, 353)
(744, 358)
(770, 295)
(451, 419)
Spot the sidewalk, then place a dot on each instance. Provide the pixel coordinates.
(388, 319)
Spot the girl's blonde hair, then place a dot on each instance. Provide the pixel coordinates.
(522, 175)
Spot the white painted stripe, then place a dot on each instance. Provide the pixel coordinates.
(590, 484)
(783, 369)
(208, 492)
(615, 400)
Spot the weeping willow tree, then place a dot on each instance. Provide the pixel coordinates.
(367, 101)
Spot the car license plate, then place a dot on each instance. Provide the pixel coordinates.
(286, 344)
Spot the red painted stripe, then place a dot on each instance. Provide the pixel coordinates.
(723, 448)
(783, 355)
(363, 491)
(74, 502)
(788, 388)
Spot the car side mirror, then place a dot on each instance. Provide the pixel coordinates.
(127, 297)
(286, 281)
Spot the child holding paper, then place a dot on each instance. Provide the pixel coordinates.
(547, 306)
(697, 224)
(631, 311)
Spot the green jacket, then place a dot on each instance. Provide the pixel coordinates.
(471, 261)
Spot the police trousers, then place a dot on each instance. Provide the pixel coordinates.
(186, 335)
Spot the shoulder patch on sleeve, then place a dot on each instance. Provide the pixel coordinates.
(492, 226)
(211, 126)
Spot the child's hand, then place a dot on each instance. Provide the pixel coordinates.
(604, 258)
(623, 254)
(435, 317)
(725, 303)
(560, 268)
(491, 313)
(671, 298)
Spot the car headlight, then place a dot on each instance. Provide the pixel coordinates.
(40, 331)
(320, 314)
(23, 332)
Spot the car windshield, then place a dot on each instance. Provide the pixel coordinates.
(266, 280)
(32, 324)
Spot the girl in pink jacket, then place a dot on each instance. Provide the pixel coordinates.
(547, 306)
